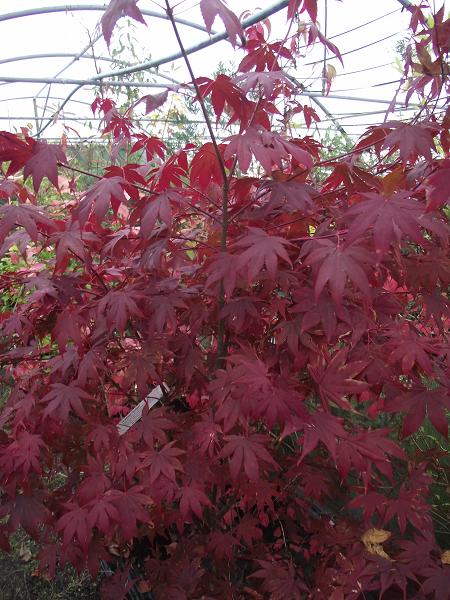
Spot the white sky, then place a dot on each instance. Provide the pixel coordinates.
(71, 32)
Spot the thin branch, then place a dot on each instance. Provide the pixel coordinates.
(221, 343)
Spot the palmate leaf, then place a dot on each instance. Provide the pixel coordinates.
(32, 218)
(261, 250)
(388, 218)
(164, 462)
(192, 501)
(437, 581)
(335, 264)
(119, 306)
(22, 455)
(246, 454)
(132, 506)
(27, 511)
(268, 81)
(116, 10)
(412, 140)
(74, 525)
(105, 193)
(419, 403)
(38, 159)
(44, 163)
(437, 186)
(279, 581)
(216, 8)
(62, 399)
(267, 147)
(318, 427)
(336, 379)
(301, 5)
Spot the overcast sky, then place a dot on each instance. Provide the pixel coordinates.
(71, 32)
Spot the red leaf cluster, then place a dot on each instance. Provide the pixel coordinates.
(297, 324)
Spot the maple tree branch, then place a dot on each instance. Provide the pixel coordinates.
(141, 188)
(221, 342)
(197, 90)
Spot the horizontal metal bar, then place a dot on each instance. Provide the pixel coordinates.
(82, 82)
(45, 10)
(13, 59)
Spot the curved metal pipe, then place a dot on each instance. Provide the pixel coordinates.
(44, 10)
(218, 37)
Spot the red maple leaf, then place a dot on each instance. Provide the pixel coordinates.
(106, 192)
(213, 8)
(336, 379)
(163, 462)
(319, 427)
(74, 525)
(370, 503)
(62, 399)
(336, 263)
(366, 449)
(299, 6)
(279, 581)
(205, 168)
(262, 55)
(268, 81)
(390, 218)
(132, 506)
(152, 145)
(43, 162)
(437, 186)
(267, 147)
(117, 586)
(14, 150)
(22, 454)
(419, 403)
(31, 218)
(223, 270)
(412, 140)
(261, 250)
(192, 500)
(70, 243)
(222, 544)
(249, 529)
(286, 196)
(408, 507)
(246, 454)
(28, 512)
(116, 10)
(102, 512)
(239, 312)
(153, 426)
(410, 349)
(154, 208)
(152, 101)
(315, 312)
(437, 581)
(224, 93)
(119, 306)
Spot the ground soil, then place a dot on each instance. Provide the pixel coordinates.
(18, 581)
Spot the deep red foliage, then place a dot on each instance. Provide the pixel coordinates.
(299, 324)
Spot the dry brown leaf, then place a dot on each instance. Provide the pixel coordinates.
(445, 557)
(378, 550)
(375, 536)
(372, 540)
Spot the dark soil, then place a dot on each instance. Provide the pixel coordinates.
(18, 582)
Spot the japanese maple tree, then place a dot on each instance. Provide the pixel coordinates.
(298, 327)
